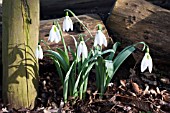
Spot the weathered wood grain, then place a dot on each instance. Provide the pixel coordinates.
(55, 8)
(19, 42)
(137, 20)
(91, 21)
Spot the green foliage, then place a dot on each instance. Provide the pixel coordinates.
(74, 74)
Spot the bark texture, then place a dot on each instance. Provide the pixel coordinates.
(19, 41)
(161, 3)
(133, 21)
(55, 8)
(90, 20)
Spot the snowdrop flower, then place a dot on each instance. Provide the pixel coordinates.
(39, 52)
(146, 62)
(100, 38)
(54, 34)
(82, 49)
(4, 110)
(67, 23)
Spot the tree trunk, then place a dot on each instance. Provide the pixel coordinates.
(133, 21)
(19, 41)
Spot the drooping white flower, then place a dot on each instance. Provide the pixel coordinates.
(146, 62)
(54, 34)
(100, 39)
(67, 24)
(39, 52)
(4, 110)
(82, 49)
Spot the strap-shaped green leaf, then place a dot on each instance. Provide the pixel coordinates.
(115, 46)
(65, 88)
(120, 59)
(109, 67)
(58, 67)
(75, 42)
(72, 53)
(85, 76)
(55, 55)
(102, 74)
(79, 76)
(63, 55)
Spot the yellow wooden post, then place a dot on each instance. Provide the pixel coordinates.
(19, 40)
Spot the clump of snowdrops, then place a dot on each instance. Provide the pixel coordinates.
(74, 74)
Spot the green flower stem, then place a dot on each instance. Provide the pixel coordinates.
(144, 45)
(62, 38)
(85, 86)
(67, 10)
(70, 86)
(82, 76)
(45, 44)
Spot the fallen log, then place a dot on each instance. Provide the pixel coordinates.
(55, 8)
(133, 21)
(161, 3)
(90, 20)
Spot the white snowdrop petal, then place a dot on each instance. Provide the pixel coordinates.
(144, 63)
(150, 64)
(100, 40)
(85, 51)
(40, 52)
(95, 39)
(58, 36)
(41, 55)
(67, 24)
(52, 34)
(71, 24)
(143, 66)
(51, 37)
(104, 40)
(4, 110)
(64, 25)
(37, 53)
(82, 49)
(79, 50)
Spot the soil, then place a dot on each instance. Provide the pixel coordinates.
(131, 92)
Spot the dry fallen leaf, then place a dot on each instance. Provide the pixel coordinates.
(123, 82)
(157, 90)
(136, 88)
(166, 98)
(152, 91)
(165, 80)
(146, 91)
